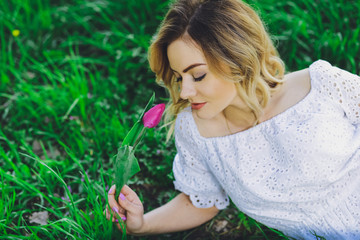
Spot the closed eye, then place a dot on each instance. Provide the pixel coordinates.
(200, 78)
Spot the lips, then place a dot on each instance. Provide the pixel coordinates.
(197, 106)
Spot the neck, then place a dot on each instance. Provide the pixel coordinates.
(238, 118)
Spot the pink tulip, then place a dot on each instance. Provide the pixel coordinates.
(153, 116)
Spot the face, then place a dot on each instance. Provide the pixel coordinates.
(208, 94)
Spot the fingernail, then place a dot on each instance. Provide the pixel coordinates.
(111, 189)
(122, 197)
(123, 218)
(115, 209)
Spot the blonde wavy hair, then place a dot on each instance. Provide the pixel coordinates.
(230, 33)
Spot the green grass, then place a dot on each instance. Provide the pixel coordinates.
(76, 78)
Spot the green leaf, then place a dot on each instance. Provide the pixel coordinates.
(122, 225)
(134, 132)
(25, 170)
(148, 106)
(126, 166)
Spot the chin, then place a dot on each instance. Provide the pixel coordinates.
(204, 115)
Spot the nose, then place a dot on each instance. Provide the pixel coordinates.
(187, 89)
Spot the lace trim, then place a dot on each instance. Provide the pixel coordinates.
(221, 201)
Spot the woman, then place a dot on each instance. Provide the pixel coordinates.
(285, 148)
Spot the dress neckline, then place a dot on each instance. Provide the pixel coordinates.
(266, 122)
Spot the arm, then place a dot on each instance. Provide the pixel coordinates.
(177, 215)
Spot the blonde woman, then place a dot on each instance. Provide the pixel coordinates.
(284, 147)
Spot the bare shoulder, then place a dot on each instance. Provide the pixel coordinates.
(299, 78)
(297, 85)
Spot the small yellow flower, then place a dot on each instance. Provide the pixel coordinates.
(16, 32)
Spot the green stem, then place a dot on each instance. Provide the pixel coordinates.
(139, 138)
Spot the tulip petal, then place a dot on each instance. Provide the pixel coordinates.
(153, 116)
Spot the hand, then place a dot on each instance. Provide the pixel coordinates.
(129, 207)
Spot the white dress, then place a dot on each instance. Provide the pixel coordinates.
(298, 172)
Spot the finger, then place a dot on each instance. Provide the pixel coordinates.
(123, 204)
(109, 215)
(112, 190)
(131, 208)
(112, 215)
(114, 205)
(116, 211)
(130, 195)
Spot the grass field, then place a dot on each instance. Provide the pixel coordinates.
(74, 77)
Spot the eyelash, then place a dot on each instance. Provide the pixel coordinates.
(195, 79)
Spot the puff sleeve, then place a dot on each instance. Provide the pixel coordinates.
(192, 175)
(342, 87)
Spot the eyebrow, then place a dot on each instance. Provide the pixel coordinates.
(191, 67)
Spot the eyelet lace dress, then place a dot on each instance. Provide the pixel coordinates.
(298, 172)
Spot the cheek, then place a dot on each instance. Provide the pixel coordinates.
(227, 91)
(218, 90)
